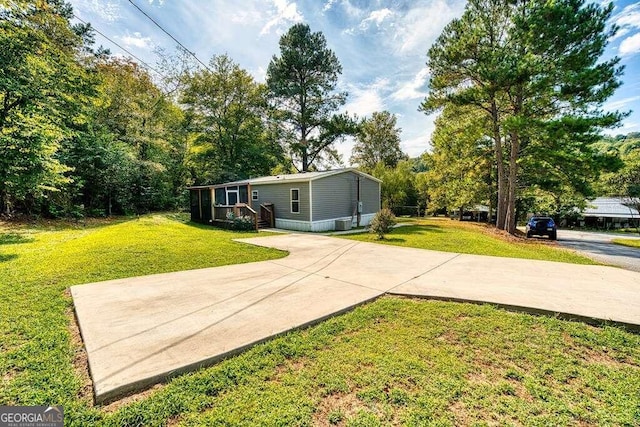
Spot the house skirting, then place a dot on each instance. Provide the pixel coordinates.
(319, 226)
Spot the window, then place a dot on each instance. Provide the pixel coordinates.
(232, 196)
(295, 200)
(254, 194)
(243, 195)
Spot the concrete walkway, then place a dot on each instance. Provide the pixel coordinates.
(142, 330)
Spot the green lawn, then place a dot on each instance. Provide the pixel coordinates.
(469, 238)
(633, 243)
(393, 361)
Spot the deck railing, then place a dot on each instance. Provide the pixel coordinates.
(266, 214)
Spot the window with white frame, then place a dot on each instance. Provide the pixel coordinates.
(254, 195)
(295, 200)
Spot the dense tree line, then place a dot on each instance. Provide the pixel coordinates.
(86, 133)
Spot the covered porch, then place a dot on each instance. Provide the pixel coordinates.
(220, 205)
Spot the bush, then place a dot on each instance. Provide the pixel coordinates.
(382, 223)
(240, 223)
(243, 223)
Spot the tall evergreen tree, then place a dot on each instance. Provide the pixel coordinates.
(302, 83)
(505, 58)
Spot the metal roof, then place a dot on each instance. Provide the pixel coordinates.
(610, 207)
(295, 177)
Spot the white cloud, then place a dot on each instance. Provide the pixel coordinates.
(136, 40)
(107, 10)
(621, 33)
(420, 26)
(630, 45)
(616, 105)
(377, 17)
(246, 16)
(328, 5)
(366, 100)
(285, 14)
(629, 16)
(413, 89)
(351, 10)
(414, 147)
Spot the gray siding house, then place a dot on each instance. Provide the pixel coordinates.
(311, 201)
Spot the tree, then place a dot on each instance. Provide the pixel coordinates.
(398, 184)
(128, 155)
(460, 171)
(378, 141)
(227, 116)
(505, 59)
(43, 85)
(302, 82)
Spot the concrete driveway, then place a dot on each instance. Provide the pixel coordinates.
(599, 247)
(140, 331)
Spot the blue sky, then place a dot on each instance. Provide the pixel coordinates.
(381, 45)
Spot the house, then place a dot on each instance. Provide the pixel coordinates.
(311, 201)
(610, 212)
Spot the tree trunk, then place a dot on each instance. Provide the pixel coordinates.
(510, 225)
(501, 204)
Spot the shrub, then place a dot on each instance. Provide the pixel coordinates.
(243, 223)
(382, 223)
(240, 223)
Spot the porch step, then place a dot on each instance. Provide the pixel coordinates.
(263, 224)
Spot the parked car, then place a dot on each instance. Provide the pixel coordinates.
(542, 226)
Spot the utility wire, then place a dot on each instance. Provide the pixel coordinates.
(125, 50)
(169, 34)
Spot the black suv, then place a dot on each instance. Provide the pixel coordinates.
(542, 226)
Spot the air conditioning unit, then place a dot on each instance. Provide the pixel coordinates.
(343, 224)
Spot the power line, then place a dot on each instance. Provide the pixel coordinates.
(167, 33)
(125, 50)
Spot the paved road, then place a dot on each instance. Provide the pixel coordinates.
(142, 330)
(599, 247)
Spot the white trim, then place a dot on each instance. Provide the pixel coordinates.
(310, 201)
(319, 226)
(257, 197)
(291, 200)
(237, 191)
(291, 178)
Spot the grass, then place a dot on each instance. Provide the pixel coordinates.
(632, 243)
(393, 361)
(37, 265)
(440, 234)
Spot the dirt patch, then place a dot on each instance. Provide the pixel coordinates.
(27, 221)
(289, 366)
(132, 398)
(459, 411)
(345, 404)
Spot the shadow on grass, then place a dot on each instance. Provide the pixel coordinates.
(7, 257)
(14, 238)
(417, 229)
(209, 227)
(391, 239)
